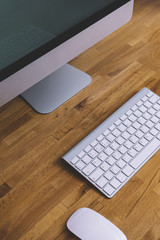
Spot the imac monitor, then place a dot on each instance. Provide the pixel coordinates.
(39, 37)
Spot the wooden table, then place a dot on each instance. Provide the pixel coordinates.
(38, 190)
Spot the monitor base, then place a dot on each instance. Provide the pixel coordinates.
(55, 89)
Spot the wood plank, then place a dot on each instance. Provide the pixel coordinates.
(39, 191)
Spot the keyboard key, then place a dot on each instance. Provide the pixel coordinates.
(102, 182)
(141, 120)
(96, 162)
(87, 149)
(157, 126)
(133, 139)
(108, 151)
(120, 140)
(151, 147)
(115, 169)
(105, 143)
(92, 153)
(149, 94)
(131, 130)
(154, 99)
(147, 115)
(139, 134)
(100, 138)
(126, 157)
(116, 132)
(111, 161)
(122, 127)
(89, 169)
(122, 149)
(112, 127)
(96, 174)
(106, 132)
(115, 183)
(154, 119)
(137, 113)
(114, 145)
(156, 106)
(102, 156)
(126, 135)
(138, 147)
(109, 175)
(132, 152)
(158, 114)
(94, 143)
(121, 177)
(123, 117)
(99, 148)
(158, 136)
(144, 129)
(109, 189)
(86, 159)
(74, 160)
(148, 136)
(149, 124)
(144, 99)
(154, 131)
(118, 122)
(139, 103)
(143, 109)
(132, 118)
(127, 122)
(121, 163)
(110, 137)
(105, 166)
(136, 125)
(152, 111)
(143, 142)
(147, 104)
(117, 155)
(128, 113)
(128, 170)
(134, 108)
(81, 154)
(128, 144)
(80, 165)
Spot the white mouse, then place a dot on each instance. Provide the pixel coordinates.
(90, 225)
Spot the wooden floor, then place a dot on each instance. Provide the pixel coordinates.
(38, 190)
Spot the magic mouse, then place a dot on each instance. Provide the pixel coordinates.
(87, 224)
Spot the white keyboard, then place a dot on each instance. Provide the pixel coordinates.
(110, 155)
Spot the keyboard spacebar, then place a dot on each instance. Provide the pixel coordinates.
(147, 152)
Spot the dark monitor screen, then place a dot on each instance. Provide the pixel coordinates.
(31, 28)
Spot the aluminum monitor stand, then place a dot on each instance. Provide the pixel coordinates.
(55, 89)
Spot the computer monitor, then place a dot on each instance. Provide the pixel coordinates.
(39, 37)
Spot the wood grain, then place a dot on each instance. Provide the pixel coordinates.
(38, 190)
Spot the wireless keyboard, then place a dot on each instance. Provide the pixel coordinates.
(110, 155)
